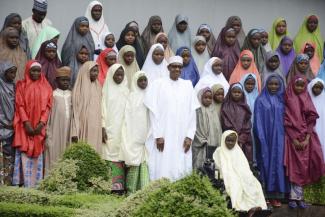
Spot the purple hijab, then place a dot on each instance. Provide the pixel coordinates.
(286, 59)
(189, 71)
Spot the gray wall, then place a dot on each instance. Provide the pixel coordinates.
(254, 13)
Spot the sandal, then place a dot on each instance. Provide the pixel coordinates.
(275, 203)
(302, 204)
(292, 204)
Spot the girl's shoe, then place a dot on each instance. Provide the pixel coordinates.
(276, 203)
(292, 204)
(302, 204)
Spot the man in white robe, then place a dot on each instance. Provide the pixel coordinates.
(172, 103)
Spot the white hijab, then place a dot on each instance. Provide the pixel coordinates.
(318, 102)
(177, 39)
(200, 59)
(244, 189)
(152, 70)
(135, 126)
(113, 105)
(102, 41)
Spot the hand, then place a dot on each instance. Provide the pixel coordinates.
(160, 144)
(306, 141)
(298, 145)
(39, 128)
(28, 128)
(104, 135)
(74, 139)
(8, 126)
(97, 52)
(187, 144)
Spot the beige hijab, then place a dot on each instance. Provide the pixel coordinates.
(168, 51)
(129, 70)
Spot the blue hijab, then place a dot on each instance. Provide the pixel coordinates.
(250, 97)
(189, 71)
(269, 133)
(321, 72)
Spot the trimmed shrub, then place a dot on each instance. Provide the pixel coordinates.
(315, 193)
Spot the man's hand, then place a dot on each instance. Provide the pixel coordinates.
(104, 135)
(160, 144)
(187, 144)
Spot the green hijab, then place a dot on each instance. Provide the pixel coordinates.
(46, 34)
(274, 38)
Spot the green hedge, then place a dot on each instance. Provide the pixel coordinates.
(315, 193)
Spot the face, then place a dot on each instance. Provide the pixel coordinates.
(35, 73)
(63, 82)
(110, 60)
(231, 140)
(250, 84)
(158, 56)
(163, 41)
(317, 89)
(83, 28)
(245, 61)
(109, 41)
(156, 26)
(236, 25)
(128, 57)
(16, 23)
(310, 51)
(50, 53)
(281, 28)
(255, 40)
(230, 38)
(175, 70)
(219, 96)
(273, 63)
(93, 73)
(142, 82)
(38, 16)
(12, 40)
(264, 38)
(205, 33)
(312, 25)
(96, 12)
(217, 67)
(273, 86)
(207, 99)
(186, 57)
(299, 86)
(303, 66)
(236, 94)
(181, 27)
(118, 75)
(10, 74)
(129, 38)
(286, 47)
(83, 55)
(200, 46)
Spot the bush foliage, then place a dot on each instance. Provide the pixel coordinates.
(315, 193)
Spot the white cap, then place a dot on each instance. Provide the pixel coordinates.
(175, 59)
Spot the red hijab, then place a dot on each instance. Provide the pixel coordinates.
(103, 67)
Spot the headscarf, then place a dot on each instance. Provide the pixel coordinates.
(148, 36)
(321, 72)
(102, 40)
(98, 29)
(74, 40)
(229, 54)
(17, 56)
(274, 38)
(152, 70)
(239, 71)
(250, 97)
(168, 50)
(259, 53)
(189, 71)
(102, 65)
(7, 99)
(129, 70)
(47, 34)
(241, 35)
(286, 60)
(214, 89)
(177, 39)
(35, 99)
(315, 37)
(136, 45)
(23, 40)
(295, 71)
(86, 121)
(244, 189)
(212, 40)
(200, 59)
(318, 102)
(266, 72)
(314, 62)
(267, 46)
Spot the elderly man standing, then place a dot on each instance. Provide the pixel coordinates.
(172, 103)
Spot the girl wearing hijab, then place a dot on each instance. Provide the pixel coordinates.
(162, 39)
(7, 110)
(30, 125)
(244, 189)
(300, 66)
(303, 157)
(78, 35)
(127, 59)
(286, 54)
(253, 43)
(189, 70)
(200, 52)
(236, 23)
(314, 61)
(227, 48)
(115, 95)
(321, 72)
(272, 66)
(149, 34)
(86, 123)
(265, 40)
(206, 31)
(180, 33)
(155, 65)
(48, 58)
(48, 33)
(108, 41)
(14, 20)
(278, 31)
(134, 134)
(218, 96)
(269, 134)
(106, 59)
(310, 32)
